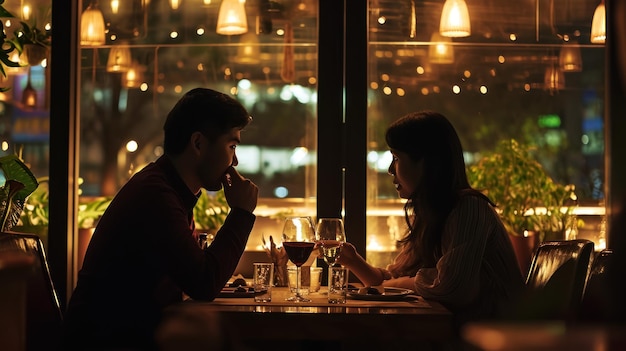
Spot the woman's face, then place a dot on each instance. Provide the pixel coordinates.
(406, 173)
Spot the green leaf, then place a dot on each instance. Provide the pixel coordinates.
(4, 12)
(13, 168)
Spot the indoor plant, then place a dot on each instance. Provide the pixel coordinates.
(7, 48)
(18, 182)
(29, 39)
(210, 211)
(35, 212)
(90, 211)
(532, 206)
(32, 41)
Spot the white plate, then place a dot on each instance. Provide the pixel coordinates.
(390, 294)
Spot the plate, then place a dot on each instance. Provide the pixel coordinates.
(390, 294)
(236, 292)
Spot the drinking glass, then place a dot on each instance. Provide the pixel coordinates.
(298, 241)
(330, 235)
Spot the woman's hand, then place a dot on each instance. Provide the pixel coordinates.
(348, 255)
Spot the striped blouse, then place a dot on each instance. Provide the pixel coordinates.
(478, 275)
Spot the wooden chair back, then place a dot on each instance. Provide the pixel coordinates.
(43, 310)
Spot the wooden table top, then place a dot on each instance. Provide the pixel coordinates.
(409, 320)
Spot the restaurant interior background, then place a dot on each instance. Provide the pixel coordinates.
(322, 80)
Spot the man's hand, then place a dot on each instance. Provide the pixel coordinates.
(239, 191)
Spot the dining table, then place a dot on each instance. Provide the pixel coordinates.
(237, 322)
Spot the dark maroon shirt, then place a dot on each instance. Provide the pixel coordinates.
(141, 258)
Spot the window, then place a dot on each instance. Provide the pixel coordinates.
(527, 72)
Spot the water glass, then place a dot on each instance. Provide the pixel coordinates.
(337, 284)
(316, 279)
(310, 279)
(262, 281)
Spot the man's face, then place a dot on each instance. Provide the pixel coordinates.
(216, 156)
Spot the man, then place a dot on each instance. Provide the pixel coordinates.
(143, 255)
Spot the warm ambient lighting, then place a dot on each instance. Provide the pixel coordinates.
(455, 20)
(570, 59)
(115, 6)
(29, 95)
(26, 11)
(174, 4)
(119, 59)
(554, 79)
(248, 51)
(598, 25)
(440, 51)
(232, 19)
(134, 77)
(92, 26)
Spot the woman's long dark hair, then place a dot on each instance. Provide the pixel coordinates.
(430, 137)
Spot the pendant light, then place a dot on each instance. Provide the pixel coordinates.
(598, 25)
(570, 59)
(134, 77)
(92, 26)
(455, 20)
(440, 50)
(119, 59)
(174, 4)
(115, 6)
(232, 19)
(554, 80)
(29, 95)
(248, 51)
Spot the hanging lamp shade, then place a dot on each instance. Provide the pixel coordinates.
(120, 59)
(92, 26)
(175, 4)
(440, 51)
(29, 94)
(570, 59)
(598, 25)
(134, 76)
(248, 51)
(232, 19)
(554, 79)
(455, 20)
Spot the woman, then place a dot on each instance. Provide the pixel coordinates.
(456, 250)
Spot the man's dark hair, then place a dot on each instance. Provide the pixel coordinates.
(202, 110)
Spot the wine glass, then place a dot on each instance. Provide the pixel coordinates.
(298, 241)
(330, 235)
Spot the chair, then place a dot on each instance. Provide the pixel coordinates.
(556, 280)
(43, 311)
(14, 270)
(597, 296)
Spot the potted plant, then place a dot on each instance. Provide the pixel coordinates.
(34, 215)
(17, 183)
(33, 42)
(90, 211)
(35, 212)
(210, 211)
(8, 46)
(532, 206)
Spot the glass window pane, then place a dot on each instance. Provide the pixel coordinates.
(494, 84)
(271, 69)
(25, 104)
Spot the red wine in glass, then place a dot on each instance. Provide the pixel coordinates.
(298, 251)
(298, 241)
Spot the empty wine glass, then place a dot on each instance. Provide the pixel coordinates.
(298, 241)
(330, 236)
